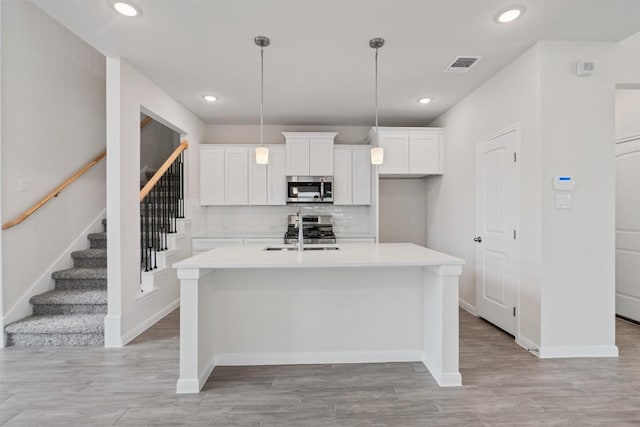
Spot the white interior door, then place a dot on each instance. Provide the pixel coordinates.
(496, 186)
(628, 229)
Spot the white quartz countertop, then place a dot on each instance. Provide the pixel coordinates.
(349, 255)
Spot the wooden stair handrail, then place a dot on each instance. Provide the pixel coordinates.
(26, 214)
(156, 177)
(145, 121)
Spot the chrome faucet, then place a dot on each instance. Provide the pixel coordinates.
(300, 233)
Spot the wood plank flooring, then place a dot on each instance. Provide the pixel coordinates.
(504, 386)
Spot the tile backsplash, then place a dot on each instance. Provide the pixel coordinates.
(273, 219)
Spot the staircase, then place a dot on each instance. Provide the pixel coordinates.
(72, 314)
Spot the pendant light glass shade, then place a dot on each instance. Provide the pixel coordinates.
(262, 155)
(377, 156)
(377, 153)
(262, 152)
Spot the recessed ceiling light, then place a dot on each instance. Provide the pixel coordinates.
(508, 15)
(424, 100)
(210, 98)
(126, 8)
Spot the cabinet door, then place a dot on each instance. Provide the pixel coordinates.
(424, 154)
(297, 156)
(257, 179)
(211, 176)
(201, 245)
(361, 175)
(321, 157)
(276, 176)
(396, 153)
(236, 185)
(342, 176)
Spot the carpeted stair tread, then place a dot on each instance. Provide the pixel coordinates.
(97, 236)
(71, 296)
(59, 324)
(80, 273)
(89, 253)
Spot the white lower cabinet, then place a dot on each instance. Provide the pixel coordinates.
(203, 244)
(351, 175)
(264, 240)
(347, 240)
(200, 245)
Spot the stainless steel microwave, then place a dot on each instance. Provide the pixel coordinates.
(309, 189)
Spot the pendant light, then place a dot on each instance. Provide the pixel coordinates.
(377, 153)
(262, 152)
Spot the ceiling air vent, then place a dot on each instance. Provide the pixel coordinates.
(462, 64)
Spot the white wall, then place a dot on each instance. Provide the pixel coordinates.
(403, 211)
(128, 93)
(53, 115)
(627, 113)
(492, 107)
(157, 142)
(578, 245)
(566, 300)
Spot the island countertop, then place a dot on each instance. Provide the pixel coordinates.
(351, 255)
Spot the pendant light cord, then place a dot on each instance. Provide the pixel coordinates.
(376, 91)
(261, 93)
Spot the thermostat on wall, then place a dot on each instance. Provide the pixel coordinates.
(564, 183)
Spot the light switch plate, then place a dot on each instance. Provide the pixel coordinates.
(563, 200)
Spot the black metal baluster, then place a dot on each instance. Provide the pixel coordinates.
(181, 205)
(146, 235)
(154, 225)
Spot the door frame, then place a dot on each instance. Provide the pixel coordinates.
(632, 140)
(515, 208)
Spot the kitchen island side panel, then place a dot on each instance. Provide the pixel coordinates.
(323, 315)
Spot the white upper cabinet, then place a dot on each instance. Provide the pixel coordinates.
(342, 176)
(309, 153)
(410, 152)
(211, 176)
(361, 175)
(224, 175)
(352, 175)
(276, 176)
(236, 182)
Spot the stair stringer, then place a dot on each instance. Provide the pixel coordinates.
(23, 308)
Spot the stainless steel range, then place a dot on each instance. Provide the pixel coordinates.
(315, 229)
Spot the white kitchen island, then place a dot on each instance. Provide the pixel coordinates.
(244, 305)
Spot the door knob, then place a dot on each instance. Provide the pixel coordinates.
(478, 239)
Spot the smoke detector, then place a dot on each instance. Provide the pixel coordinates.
(462, 64)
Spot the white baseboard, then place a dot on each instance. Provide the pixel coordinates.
(444, 379)
(469, 308)
(22, 308)
(149, 322)
(192, 385)
(561, 351)
(112, 331)
(305, 358)
(527, 344)
(628, 306)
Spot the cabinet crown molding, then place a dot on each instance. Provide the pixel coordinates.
(410, 130)
(309, 134)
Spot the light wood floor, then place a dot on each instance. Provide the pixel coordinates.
(504, 386)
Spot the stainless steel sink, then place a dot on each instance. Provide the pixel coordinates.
(312, 248)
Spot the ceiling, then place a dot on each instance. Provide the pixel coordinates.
(319, 69)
